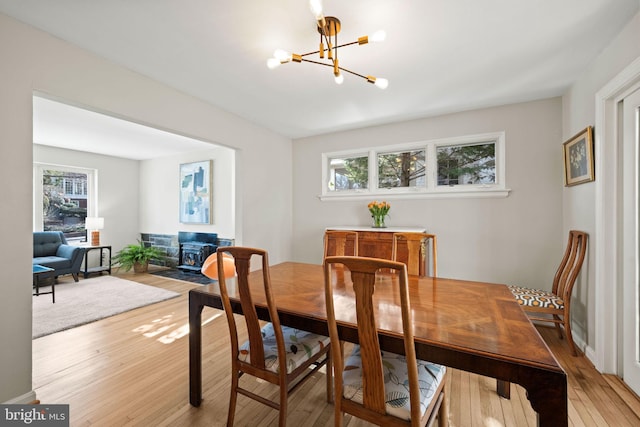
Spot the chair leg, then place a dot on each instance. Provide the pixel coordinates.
(75, 276)
(233, 397)
(338, 416)
(284, 397)
(329, 369)
(567, 330)
(443, 411)
(557, 324)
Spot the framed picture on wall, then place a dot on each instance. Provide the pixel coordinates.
(578, 158)
(196, 197)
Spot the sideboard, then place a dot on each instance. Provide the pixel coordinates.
(377, 242)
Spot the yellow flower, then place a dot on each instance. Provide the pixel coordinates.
(379, 209)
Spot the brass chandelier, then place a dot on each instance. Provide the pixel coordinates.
(329, 27)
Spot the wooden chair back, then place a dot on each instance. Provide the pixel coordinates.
(570, 266)
(363, 283)
(417, 244)
(284, 376)
(342, 242)
(242, 259)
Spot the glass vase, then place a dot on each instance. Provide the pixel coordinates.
(378, 221)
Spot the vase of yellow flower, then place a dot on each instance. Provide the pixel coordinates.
(379, 210)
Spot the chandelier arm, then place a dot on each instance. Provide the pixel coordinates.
(346, 44)
(310, 53)
(340, 68)
(317, 62)
(353, 72)
(337, 47)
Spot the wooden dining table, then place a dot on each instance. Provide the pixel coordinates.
(477, 327)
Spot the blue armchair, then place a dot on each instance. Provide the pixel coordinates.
(50, 249)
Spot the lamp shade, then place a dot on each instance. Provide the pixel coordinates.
(210, 266)
(94, 223)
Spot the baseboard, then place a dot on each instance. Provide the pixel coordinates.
(590, 353)
(24, 399)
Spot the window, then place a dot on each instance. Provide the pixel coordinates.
(401, 169)
(466, 164)
(348, 173)
(463, 166)
(62, 199)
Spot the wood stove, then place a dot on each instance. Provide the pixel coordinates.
(195, 248)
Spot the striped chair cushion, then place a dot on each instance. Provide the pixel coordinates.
(536, 298)
(300, 346)
(396, 382)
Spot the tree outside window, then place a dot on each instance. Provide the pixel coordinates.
(64, 202)
(467, 164)
(401, 169)
(349, 173)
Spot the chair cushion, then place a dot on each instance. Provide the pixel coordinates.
(300, 346)
(536, 298)
(396, 382)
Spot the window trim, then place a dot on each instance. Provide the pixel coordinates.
(431, 190)
(92, 189)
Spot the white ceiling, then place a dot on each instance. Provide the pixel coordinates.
(65, 126)
(440, 56)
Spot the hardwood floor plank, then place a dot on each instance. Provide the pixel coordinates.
(132, 370)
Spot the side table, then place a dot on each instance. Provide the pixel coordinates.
(105, 255)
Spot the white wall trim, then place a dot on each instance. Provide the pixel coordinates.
(605, 354)
(23, 400)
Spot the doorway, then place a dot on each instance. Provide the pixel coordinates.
(616, 232)
(629, 369)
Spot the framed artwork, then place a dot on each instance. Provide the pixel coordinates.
(578, 158)
(196, 196)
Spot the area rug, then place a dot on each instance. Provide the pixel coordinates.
(184, 275)
(89, 300)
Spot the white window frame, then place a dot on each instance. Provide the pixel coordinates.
(92, 190)
(431, 190)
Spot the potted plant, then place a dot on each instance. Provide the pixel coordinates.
(136, 256)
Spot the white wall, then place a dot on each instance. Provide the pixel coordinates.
(579, 204)
(34, 61)
(515, 240)
(159, 193)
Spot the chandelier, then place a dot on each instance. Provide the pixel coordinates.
(329, 27)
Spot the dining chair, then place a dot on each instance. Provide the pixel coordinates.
(341, 246)
(275, 353)
(417, 244)
(378, 386)
(556, 305)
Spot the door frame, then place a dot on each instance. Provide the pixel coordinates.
(605, 356)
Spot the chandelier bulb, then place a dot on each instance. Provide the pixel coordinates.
(382, 83)
(379, 82)
(378, 36)
(316, 8)
(339, 79)
(273, 63)
(282, 55)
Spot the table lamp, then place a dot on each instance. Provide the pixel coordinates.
(95, 224)
(210, 266)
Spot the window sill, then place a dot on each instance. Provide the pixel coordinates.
(476, 193)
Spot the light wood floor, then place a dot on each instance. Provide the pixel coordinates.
(132, 369)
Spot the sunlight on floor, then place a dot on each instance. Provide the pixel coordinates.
(163, 324)
(492, 422)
